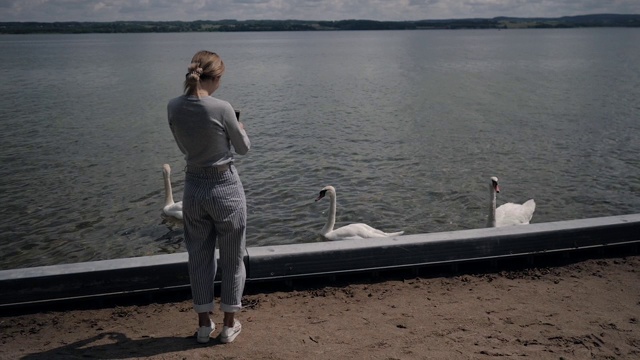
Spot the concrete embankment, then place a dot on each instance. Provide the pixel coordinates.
(162, 273)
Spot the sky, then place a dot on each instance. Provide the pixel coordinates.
(389, 10)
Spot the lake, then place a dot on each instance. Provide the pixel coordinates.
(407, 125)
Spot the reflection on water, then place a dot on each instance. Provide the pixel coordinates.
(407, 125)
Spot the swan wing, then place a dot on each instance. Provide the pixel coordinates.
(358, 231)
(173, 210)
(373, 232)
(515, 214)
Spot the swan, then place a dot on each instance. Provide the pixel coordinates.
(509, 213)
(173, 209)
(351, 231)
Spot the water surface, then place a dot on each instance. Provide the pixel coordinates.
(407, 125)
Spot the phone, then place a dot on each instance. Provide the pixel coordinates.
(238, 115)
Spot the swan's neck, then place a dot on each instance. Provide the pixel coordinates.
(168, 193)
(331, 218)
(491, 222)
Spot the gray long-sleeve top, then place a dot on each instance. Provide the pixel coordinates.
(205, 129)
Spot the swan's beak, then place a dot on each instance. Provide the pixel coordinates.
(321, 195)
(497, 188)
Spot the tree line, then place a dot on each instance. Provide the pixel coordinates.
(75, 27)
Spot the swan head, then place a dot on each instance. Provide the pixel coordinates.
(494, 184)
(166, 169)
(324, 190)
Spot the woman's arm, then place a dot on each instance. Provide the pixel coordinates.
(237, 135)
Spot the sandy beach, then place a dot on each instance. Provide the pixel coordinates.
(579, 309)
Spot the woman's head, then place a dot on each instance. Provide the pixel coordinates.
(205, 65)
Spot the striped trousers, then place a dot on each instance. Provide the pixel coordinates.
(215, 213)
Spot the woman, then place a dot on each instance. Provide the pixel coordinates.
(214, 205)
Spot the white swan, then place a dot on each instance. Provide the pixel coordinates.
(173, 209)
(509, 213)
(351, 231)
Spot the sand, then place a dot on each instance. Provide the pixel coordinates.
(579, 309)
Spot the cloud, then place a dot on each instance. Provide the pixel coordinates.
(393, 10)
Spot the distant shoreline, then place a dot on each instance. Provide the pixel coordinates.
(75, 27)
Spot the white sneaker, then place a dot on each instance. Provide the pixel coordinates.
(229, 334)
(204, 333)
